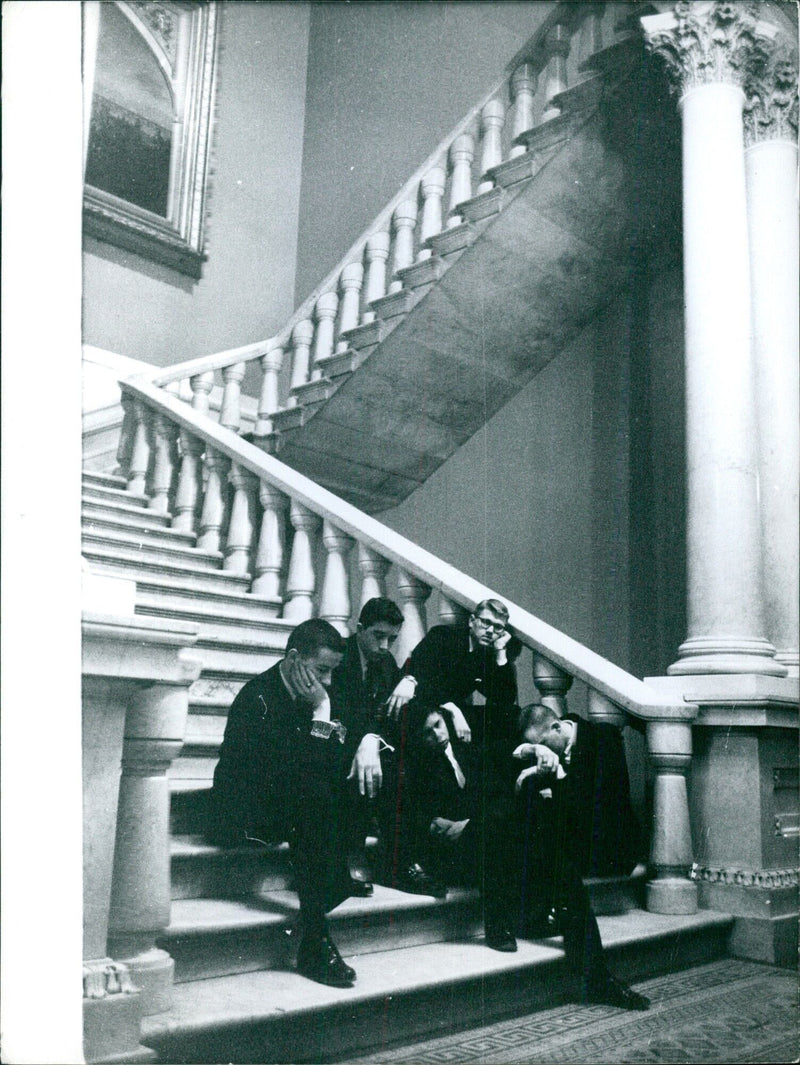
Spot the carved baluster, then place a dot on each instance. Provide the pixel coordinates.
(302, 335)
(327, 305)
(671, 855)
(558, 45)
(230, 412)
(377, 254)
(188, 494)
(212, 517)
(405, 218)
(201, 385)
(523, 90)
(450, 613)
(334, 603)
(595, 40)
(351, 279)
(462, 152)
(127, 434)
(269, 556)
(164, 439)
(140, 452)
(373, 574)
(432, 193)
(493, 118)
(301, 580)
(271, 364)
(601, 708)
(240, 529)
(412, 594)
(552, 684)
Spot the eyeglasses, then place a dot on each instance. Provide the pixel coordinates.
(495, 626)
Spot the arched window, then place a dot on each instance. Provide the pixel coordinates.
(149, 133)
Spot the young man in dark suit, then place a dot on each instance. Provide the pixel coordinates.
(281, 775)
(593, 790)
(360, 687)
(467, 672)
(559, 807)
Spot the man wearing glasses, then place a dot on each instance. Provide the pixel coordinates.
(467, 672)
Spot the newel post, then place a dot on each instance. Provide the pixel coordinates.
(671, 854)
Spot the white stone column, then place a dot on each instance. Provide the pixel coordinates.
(771, 170)
(706, 48)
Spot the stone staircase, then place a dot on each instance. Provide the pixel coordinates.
(422, 967)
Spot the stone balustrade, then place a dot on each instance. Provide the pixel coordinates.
(372, 283)
(136, 675)
(296, 542)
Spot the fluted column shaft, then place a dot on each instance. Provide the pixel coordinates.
(706, 49)
(771, 169)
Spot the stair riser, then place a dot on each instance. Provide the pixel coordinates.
(188, 605)
(135, 569)
(229, 876)
(150, 554)
(115, 495)
(354, 1026)
(103, 480)
(223, 629)
(203, 956)
(136, 529)
(140, 517)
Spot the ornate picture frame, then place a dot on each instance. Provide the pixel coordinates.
(180, 40)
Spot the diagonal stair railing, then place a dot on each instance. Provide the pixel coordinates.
(293, 541)
(502, 141)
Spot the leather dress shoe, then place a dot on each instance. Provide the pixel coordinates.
(360, 889)
(416, 881)
(612, 992)
(319, 960)
(501, 938)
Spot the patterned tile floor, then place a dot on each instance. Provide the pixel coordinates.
(728, 1011)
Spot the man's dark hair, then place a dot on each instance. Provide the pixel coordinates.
(536, 718)
(311, 636)
(379, 610)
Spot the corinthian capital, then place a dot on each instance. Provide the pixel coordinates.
(702, 43)
(770, 110)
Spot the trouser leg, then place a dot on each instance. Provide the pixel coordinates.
(319, 856)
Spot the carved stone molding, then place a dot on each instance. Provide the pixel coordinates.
(770, 111)
(760, 878)
(103, 977)
(703, 43)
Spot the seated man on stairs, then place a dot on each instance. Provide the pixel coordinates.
(282, 775)
(360, 688)
(550, 856)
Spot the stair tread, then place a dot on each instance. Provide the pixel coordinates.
(226, 1000)
(138, 538)
(194, 916)
(204, 596)
(160, 532)
(121, 495)
(109, 480)
(130, 504)
(171, 566)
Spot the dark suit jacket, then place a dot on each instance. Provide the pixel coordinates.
(357, 700)
(447, 671)
(268, 764)
(594, 802)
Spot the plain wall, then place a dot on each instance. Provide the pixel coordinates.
(145, 311)
(386, 82)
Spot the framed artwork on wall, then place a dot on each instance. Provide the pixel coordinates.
(149, 83)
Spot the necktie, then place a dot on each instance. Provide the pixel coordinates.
(462, 780)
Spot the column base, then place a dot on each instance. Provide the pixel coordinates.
(152, 972)
(672, 894)
(726, 654)
(766, 917)
(112, 1011)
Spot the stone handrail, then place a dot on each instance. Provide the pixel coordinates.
(408, 244)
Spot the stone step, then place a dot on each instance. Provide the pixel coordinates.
(148, 550)
(243, 656)
(115, 495)
(103, 480)
(214, 692)
(218, 937)
(120, 562)
(133, 514)
(230, 628)
(135, 529)
(408, 993)
(180, 597)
